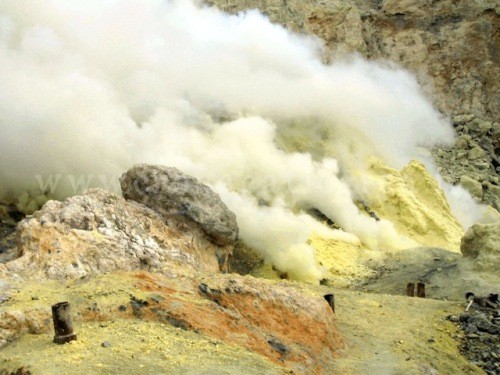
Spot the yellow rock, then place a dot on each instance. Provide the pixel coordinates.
(340, 257)
(412, 200)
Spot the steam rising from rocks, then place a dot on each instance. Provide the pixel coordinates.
(91, 88)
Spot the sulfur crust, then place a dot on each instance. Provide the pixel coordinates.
(412, 200)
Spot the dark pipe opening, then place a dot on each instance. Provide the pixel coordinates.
(330, 298)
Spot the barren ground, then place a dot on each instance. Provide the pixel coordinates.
(384, 334)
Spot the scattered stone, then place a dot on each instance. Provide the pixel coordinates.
(106, 344)
(483, 332)
(476, 153)
(463, 119)
(464, 317)
(478, 125)
(471, 328)
(472, 336)
(277, 345)
(137, 305)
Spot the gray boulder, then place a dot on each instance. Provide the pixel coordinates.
(171, 193)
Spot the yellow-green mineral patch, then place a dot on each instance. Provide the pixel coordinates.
(412, 200)
(132, 347)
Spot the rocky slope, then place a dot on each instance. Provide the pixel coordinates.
(101, 232)
(452, 47)
(140, 279)
(260, 317)
(142, 323)
(181, 248)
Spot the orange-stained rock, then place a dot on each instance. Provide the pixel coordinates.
(273, 319)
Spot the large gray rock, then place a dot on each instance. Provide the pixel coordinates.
(482, 243)
(172, 194)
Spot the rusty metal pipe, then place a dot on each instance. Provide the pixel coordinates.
(410, 289)
(330, 298)
(63, 323)
(421, 290)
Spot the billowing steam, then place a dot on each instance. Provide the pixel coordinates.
(89, 88)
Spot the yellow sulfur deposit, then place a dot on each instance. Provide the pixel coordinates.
(408, 202)
(342, 259)
(412, 200)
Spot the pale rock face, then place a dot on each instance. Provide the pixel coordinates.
(99, 232)
(482, 243)
(173, 194)
(449, 44)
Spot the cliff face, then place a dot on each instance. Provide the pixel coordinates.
(452, 47)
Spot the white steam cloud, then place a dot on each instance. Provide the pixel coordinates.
(89, 88)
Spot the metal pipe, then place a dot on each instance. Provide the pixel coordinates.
(410, 289)
(330, 298)
(63, 323)
(421, 290)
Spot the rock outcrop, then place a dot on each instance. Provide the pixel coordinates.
(171, 193)
(415, 203)
(100, 232)
(482, 243)
(93, 241)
